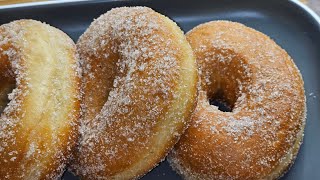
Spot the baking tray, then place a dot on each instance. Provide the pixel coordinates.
(290, 23)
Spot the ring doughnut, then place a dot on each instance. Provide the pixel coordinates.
(139, 86)
(39, 117)
(260, 137)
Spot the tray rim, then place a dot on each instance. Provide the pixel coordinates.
(297, 3)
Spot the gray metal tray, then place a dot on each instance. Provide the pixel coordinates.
(292, 25)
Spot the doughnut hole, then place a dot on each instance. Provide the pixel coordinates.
(104, 72)
(224, 79)
(219, 101)
(7, 80)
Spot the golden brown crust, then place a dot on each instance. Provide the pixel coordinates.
(139, 92)
(261, 136)
(38, 127)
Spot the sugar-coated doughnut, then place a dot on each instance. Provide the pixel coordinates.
(139, 86)
(39, 100)
(261, 136)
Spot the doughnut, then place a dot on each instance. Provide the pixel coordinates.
(257, 130)
(39, 100)
(139, 91)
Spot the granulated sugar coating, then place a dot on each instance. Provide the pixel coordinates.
(40, 79)
(139, 86)
(260, 138)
